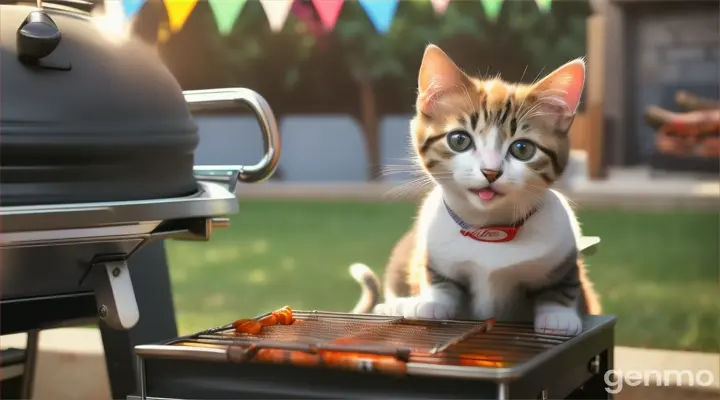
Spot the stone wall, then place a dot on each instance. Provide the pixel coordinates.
(678, 48)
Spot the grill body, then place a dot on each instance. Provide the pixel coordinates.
(565, 368)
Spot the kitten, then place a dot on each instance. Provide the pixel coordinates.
(493, 149)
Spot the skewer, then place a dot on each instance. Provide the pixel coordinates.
(485, 326)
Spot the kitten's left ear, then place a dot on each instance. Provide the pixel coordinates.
(565, 83)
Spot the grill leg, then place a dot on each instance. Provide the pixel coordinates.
(503, 392)
(31, 350)
(151, 283)
(16, 384)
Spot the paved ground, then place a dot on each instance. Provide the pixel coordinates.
(71, 366)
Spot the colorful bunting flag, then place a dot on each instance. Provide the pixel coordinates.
(132, 7)
(380, 12)
(440, 6)
(306, 13)
(178, 12)
(492, 8)
(114, 19)
(226, 13)
(328, 11)
(277, 12)
(544, 5)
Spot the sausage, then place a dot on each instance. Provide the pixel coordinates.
(249, 326)
(269, 320)
(284, 316)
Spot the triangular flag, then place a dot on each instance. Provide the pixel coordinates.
(178, 12)
(544, 5)
(132, 7)
(226, 13)
(440, 6)
(277, 12)
(114, 18)
(380, 12)
(328, 11)
(492, 8)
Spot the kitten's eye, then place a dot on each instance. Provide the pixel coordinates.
(522, 149)
(459, 141)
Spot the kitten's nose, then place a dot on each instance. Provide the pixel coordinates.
(491, 174)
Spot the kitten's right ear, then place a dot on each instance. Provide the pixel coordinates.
(438, 75)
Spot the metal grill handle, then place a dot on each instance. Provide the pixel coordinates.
(231, 97)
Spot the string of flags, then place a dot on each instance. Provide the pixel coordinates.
(226, 12)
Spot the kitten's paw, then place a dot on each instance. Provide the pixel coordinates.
(558, 320)
(414, 307)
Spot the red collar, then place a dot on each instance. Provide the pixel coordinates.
(491, 234)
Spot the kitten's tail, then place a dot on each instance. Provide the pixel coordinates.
(370, 285)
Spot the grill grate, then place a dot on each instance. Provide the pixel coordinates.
(379, 343)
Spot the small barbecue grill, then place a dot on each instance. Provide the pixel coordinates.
(340, 355)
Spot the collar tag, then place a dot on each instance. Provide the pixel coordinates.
(492, 234)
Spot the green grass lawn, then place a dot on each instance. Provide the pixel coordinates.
(658, 272)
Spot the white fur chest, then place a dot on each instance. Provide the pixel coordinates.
(494, 272)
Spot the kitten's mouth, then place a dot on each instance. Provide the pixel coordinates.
(485, 194)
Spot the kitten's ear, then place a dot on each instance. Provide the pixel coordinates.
(565, 83)
(438, 75)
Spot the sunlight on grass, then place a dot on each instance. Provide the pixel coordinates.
(658, 272)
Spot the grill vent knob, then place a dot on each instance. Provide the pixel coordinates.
(37, 37)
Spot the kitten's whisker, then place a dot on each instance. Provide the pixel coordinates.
(401, 165)
(524, 115)
(523, 74)
(399, 169)
(409, 187)
(389, 173)
(469, 99)
(408, 158)
(406, 188)
(537, 77)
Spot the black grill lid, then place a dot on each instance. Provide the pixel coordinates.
(86, 116)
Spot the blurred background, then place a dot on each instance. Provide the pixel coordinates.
(341, 78)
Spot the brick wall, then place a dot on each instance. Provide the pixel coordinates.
(677, 48)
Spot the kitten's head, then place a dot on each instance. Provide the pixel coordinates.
(489, 142)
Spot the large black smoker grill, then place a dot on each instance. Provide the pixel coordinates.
(96, 170)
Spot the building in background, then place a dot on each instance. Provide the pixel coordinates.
(657, 53)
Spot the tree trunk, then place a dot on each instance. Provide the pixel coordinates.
(369, 116)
